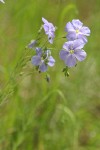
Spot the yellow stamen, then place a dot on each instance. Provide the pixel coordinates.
(77, 31)
(71, 51)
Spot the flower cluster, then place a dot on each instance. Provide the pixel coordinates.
(71, 52)
(42, 59)
(76, 39)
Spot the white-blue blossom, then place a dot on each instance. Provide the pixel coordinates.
(43, 59)
(76, 30)
(73, 51)
(49, 30)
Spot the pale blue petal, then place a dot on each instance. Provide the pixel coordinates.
(80, 54)
(38, 51)
(46, 28)
(36, 60)
(69, 27)
(63, 54)
(44, 20)
(85, 30)
(78, 44)
(43, 67)
(51, 34)
(70, 61)
(71, 36)
(68, 45)
(83, 37)
(51, 61)
(51, 26)
(77, 24)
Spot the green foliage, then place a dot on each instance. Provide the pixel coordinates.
(64, 113)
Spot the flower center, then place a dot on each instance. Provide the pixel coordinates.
(77, 31)
(71, 51)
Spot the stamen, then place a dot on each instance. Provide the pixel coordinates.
(77, 31)
(71, 51)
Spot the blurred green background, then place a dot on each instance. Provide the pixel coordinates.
(65, 113)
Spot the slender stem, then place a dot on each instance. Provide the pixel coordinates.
(44, 43)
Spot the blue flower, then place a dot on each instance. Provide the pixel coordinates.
(43, 59)
(76, 30)
(72, 51)
(49, 30)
